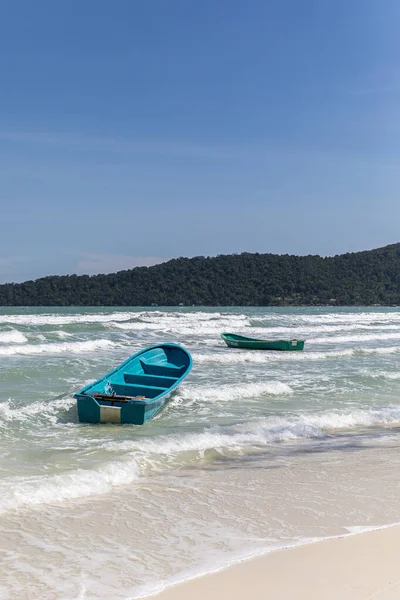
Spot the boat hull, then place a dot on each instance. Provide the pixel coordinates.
(91, 410)
(238, 341)
(137, 389)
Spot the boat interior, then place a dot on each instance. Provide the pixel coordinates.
(143, 378)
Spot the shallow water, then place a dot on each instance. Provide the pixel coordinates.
(256, 449)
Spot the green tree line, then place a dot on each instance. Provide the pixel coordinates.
(359, 278)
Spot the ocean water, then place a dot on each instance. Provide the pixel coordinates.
(255, 451)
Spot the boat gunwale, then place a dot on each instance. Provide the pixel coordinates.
(244, 339)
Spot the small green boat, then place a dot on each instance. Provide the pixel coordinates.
(239, 341)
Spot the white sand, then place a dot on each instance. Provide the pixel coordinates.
(365, 566)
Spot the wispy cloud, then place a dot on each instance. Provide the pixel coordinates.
(92, 264)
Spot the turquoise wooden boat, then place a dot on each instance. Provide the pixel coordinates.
(239, 341)
(135, 391)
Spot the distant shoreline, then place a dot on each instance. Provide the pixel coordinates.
(370, 278)
(218, 306)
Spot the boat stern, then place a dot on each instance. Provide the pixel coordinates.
(92, 411)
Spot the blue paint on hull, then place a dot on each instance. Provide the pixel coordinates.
(144, 383)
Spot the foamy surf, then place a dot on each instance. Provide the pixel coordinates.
(228, 392)
(362, 337)
(309, 330)
(182, 326)
(391, 376)
(12, 337)
(265, 432)
(243, 429)
(63, 334)
(262, 357)
(47, 411)
(41, 320)
(331, 317)
(54, 348)
(258, 357)
(79, 483)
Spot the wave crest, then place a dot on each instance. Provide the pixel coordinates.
(78, 483)
(54, 348)
(12, 337)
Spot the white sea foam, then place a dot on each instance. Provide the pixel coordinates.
(48, 411)
(39, 336)
(332, 316)
(63, 334)
(391, 376)
(189, 315)
(384, 350)
(237, 357)
(64, 347)
(208, 322)
(266, 431)
(12, 337)
(229, 392)
(310, 329)
(77, 483)
(145, 317)
(184, 324)
(60, 319)
(356, 529)
(361, 337)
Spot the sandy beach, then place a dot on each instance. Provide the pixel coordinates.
(364, 566)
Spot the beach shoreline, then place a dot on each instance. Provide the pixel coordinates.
(356, 566)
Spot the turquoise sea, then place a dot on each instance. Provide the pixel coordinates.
(255, 451)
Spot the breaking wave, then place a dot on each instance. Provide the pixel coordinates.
(266, 431)
(48, 411)
(64, 347)
(229, 392)
(53, 319)
(183, 323)
(77, 483)
(141, 454)
(243, 356)
(12, 337)
(361, 337)
(354, 318)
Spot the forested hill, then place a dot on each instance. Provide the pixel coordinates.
(363, 278)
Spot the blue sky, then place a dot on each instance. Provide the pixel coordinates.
(132, 131)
